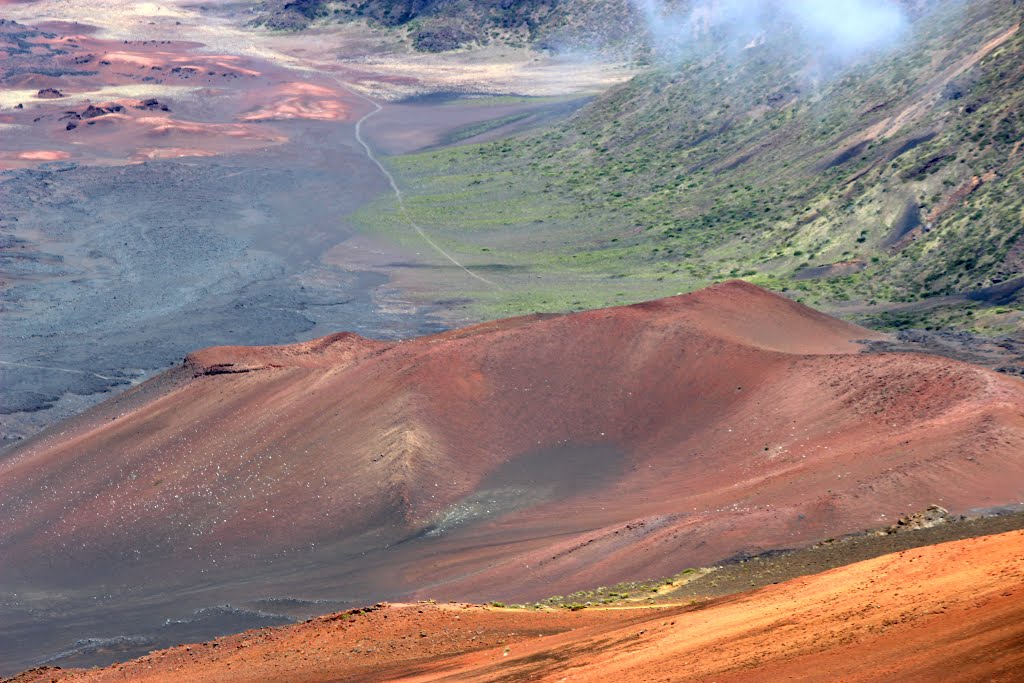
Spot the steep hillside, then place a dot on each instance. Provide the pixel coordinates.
(589, 448)
(438, 25)
(952, 612)
(887, 186)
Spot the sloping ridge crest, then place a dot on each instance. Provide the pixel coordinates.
(734, 311)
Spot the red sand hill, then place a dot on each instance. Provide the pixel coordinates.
(951, 612)
(513, 459)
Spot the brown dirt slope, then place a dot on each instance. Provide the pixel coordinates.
(514, 459)
(951, 612)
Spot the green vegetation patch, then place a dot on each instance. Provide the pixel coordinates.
(843, 190)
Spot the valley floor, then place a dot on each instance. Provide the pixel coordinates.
(205, 183)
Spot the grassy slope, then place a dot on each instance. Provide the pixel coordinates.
(755, 166)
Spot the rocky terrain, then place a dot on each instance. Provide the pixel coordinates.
(245, 253)
(135, 216)
(730, 420)
(160, 194)
(1002, 354)
(443, 25)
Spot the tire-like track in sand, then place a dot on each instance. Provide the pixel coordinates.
(399, 195)
(54, 369)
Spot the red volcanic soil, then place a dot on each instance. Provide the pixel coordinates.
(298, 101)
(210, 104)
(514, 459)
(951, 612)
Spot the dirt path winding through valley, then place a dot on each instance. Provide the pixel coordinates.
(399, 195)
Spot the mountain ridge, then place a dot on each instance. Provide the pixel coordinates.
(443, 25)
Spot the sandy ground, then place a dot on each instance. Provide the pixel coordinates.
(191, 188)
(372, 60)
(494, 462)
(175, 114)
(171, 180)
(952, 612)
(487, 71)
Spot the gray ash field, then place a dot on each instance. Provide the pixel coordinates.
(112, 273)
(159, 196)
(168, 184)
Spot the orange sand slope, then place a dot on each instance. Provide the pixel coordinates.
(951, 612)
(514, 459)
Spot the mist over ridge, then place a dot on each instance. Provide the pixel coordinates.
(842, 29)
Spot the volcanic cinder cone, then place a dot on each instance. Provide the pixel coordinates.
(513, 459)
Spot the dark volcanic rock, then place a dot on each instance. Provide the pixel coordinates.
(152, 105)
(1002, 354)
(50, 94)
(442, 39)
(293, 15)
(185, 71)
(311, 9)
(92, 112)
